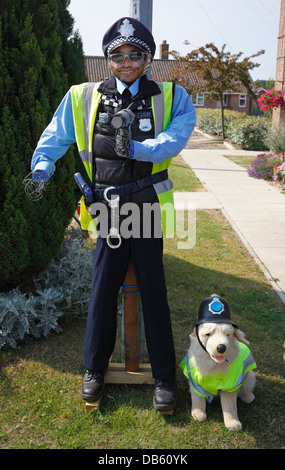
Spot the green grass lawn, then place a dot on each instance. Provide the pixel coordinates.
(40, 384)
(183, 177)
(242, 160)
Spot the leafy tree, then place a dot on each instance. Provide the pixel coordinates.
(37, 45)
(217, 71)
(266, 84)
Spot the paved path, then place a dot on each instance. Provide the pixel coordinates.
(255, 209)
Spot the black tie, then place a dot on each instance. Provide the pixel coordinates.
(127, 97)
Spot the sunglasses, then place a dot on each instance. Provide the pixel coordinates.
(119, 58)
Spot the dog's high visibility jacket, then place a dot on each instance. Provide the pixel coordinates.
(85, 103)
(209, 386)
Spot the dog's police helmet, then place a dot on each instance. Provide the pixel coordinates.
(128, 31)
(215, 309)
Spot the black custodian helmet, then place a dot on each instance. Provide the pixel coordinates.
(215, 309)
(128, 31)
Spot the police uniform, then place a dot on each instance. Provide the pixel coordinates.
(105, 168)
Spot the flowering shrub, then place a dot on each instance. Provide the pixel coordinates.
(263, 166)
(279, 172)
(272, 99)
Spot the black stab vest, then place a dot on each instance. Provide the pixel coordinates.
(108, 168)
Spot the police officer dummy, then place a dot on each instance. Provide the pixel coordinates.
(135, 155)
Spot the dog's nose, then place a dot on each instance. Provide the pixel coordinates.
(221, 348)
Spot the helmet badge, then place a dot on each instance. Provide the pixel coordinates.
(126, 28)
(216, 307)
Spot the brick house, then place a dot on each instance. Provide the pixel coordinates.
(162, 70)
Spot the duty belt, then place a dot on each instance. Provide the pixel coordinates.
(129, 188)
(112, 195)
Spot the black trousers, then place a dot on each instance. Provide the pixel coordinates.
(110, 267)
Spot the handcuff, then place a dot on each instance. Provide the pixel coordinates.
(113, 232)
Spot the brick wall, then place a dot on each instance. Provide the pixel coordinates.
(233, 104)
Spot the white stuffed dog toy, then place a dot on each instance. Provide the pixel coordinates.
(218, 362)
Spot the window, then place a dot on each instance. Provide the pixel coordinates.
(198, 100)
(242, 101)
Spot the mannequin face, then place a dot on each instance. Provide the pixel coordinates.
(128, 71)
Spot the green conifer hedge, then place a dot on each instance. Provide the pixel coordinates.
(40, 58)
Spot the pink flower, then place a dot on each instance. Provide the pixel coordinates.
(271, 99)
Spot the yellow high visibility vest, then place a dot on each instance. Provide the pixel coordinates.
(85, 101)
(209, 386)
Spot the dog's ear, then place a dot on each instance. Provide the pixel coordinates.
(240, 336)
(194, 331)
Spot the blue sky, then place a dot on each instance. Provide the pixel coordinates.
(243, 25)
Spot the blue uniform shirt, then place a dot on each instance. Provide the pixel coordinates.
(60, 134)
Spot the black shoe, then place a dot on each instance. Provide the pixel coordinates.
(165, 395)
(92, 385)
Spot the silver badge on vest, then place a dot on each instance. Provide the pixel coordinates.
(145, 124)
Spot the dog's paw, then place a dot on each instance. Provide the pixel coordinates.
(233, 425)
(199, 415)
(249, 398)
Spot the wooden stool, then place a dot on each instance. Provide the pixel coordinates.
(131, 371)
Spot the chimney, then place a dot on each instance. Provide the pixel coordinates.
(164, 50)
